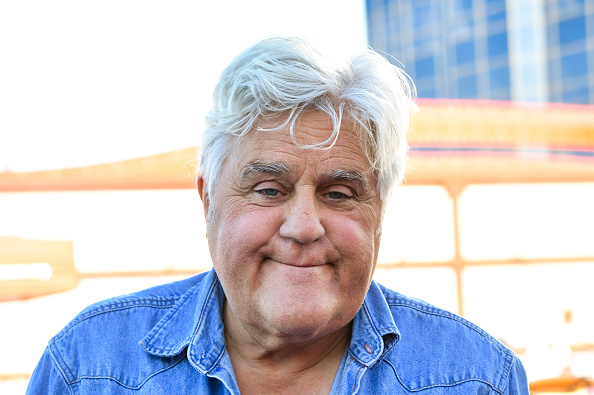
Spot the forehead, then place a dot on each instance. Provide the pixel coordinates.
(277, 146)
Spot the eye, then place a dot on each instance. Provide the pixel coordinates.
(269, 191)
(336, 195)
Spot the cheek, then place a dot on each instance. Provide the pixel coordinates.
(358, 230)
(246, 228)
(357, 245)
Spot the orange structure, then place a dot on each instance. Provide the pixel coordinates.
(562, 385)
(461, 142)
(30, 268)
(453, 144)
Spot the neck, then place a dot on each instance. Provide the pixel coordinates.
(275, 363)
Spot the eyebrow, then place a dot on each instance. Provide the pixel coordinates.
(277, 168)
(350, 176)
(280, 169)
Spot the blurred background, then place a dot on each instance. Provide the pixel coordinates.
(101, 109)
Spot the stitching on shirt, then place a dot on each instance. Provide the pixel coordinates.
(377, 332)
(180, 358)
(203, 309)
(118, 306)
(356, 360)
(213, 287)
(437, 385)
(370, 321)
(509, 356)
(361, 366)
(442, 313)
(366, 310)
(395, 372)
(449, 384)
(61, 368)
(216, 361)
(162, 323)
(509, 364)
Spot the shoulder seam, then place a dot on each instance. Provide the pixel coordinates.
(428, 309)
(504, 381)
(55, 355)
(507, 356)
(117, 306)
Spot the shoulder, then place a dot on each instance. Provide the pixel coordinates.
(137, 308)
(111, 330)
(438, 348)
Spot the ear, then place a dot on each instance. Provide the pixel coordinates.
(202, 191)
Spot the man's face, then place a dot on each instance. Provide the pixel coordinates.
(293, 233)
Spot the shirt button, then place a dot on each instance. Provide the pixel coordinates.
(368, 348)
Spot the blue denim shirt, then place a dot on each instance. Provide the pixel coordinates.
(170, 340)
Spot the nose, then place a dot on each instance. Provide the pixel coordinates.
(302, 222)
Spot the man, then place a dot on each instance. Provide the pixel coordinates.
(299, 157)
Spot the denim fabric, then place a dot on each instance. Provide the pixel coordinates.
(170, 340)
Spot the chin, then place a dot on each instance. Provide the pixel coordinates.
(310, 320)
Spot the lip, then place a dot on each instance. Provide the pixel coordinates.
(305, 264)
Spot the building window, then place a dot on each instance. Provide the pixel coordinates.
(497, 44)
(574, 65)
(572, 29)
(424, 68)
(465, 52)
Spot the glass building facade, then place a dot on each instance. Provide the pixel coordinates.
(525, 50)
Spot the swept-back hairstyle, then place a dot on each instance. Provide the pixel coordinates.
(284, 77)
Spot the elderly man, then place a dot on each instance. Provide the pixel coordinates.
(299, 157)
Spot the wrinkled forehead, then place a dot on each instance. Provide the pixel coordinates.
(315, 123)
(316, 134)
(313, 134)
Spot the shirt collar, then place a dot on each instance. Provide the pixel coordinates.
(195, 321)
(374, 330)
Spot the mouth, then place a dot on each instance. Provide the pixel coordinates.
(301, 263)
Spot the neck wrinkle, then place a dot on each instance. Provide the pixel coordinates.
(283, 361)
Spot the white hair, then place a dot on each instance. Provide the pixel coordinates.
(282, 78)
